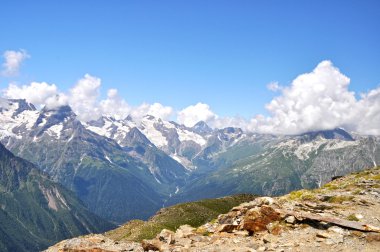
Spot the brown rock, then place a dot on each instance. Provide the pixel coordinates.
(226, 228)
(275, 229)
(373, 237)
(185, 242)
(151, 245)
(258, 219)
(228, 218)
(184, 231)
(166, 236)
(357, 233)
(322, 234)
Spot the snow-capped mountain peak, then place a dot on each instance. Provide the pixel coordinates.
(111, 128)
(16, 117)
(202, 128)
(52, 116)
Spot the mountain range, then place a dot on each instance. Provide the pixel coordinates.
(126, 169)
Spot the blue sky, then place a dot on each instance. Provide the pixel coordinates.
(178, 53)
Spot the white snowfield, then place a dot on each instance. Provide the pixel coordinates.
(55, 131)
(303, 150)
(158, 132)
(149, 130)
(149, 126)
(8, 122)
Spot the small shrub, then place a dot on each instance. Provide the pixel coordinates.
(340, 199)
(356, 192)
(352, 217)
(330, 186)
(376, 177)
(302, 195)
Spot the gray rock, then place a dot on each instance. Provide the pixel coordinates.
(290, 219)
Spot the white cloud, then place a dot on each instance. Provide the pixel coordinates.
(37, 92)
(274, 86)
(83, 97)
(114, 105)
(368, 115)
(57, 101)
(194, 113)
(155, 109)
(235, 121)
(320, 100)
(12, 62)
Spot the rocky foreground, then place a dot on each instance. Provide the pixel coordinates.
(343, 215)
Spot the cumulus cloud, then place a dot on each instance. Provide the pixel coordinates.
(319, 100)
(84, 99)
(156, 109)
(368, 113)
(230, 121)
(36, 92)
(114, 105)
(12, 62)
(194, 113)
(56, 101)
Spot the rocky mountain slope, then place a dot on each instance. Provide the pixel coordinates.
(270, 165)
(124, 168)
(179, 142)
(112, 182)
(36, 212)
(343, 215)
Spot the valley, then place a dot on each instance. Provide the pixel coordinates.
(123, 169)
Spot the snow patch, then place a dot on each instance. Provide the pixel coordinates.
(341, 144)
(109, 160)
(155, 136)
(185, 135)
(176, 158)
(303, 151)
(8, 123)
(114, 129)
(55, 131)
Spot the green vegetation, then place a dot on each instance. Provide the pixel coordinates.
(376, 177)
(330, 186)
(352, 217)
(303, 195)
(192, 213)
(340, 198)
(346, 189)
(35, 212)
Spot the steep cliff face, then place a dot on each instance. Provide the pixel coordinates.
(35, 211)
(343, 215)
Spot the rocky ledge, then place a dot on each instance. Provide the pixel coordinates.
(343, 215)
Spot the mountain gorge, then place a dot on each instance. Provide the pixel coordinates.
(125, 169)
